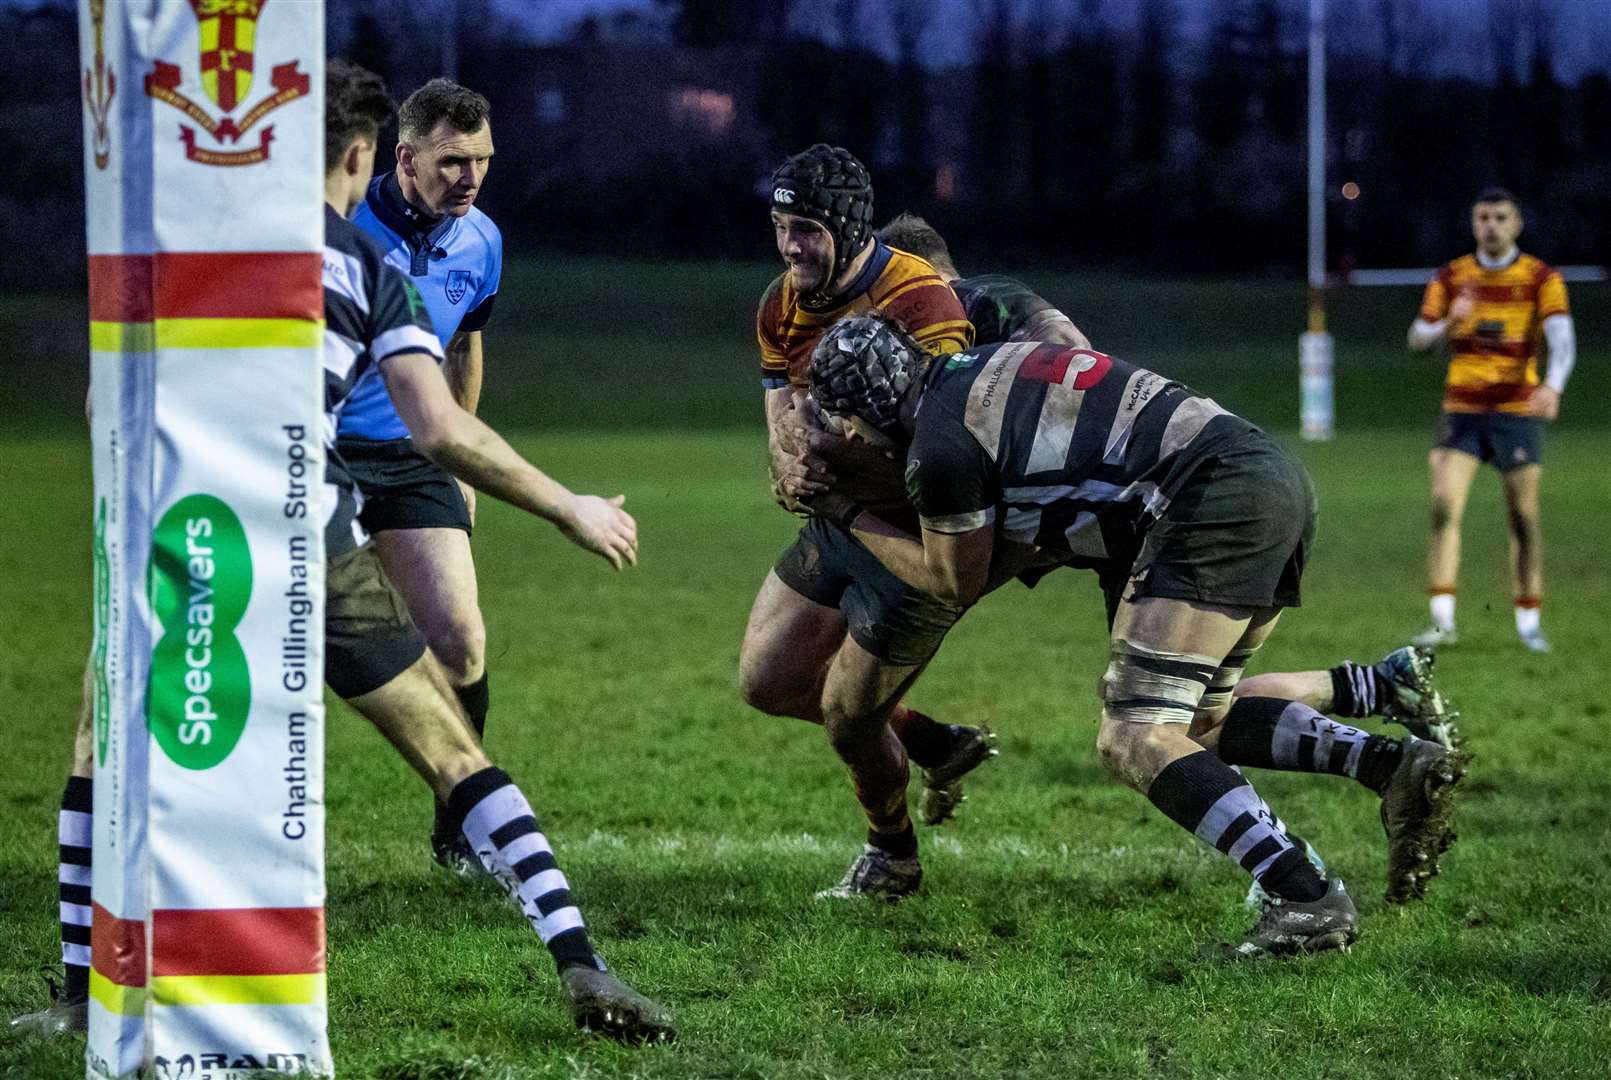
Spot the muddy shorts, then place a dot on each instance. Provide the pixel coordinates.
(1237, 532)
(887, 617)
(369, 639)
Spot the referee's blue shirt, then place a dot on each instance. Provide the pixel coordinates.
(455, 264)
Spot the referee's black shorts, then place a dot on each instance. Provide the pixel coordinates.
(402, 488)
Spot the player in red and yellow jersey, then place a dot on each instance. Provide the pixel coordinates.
(833, 636)
(1494, 308)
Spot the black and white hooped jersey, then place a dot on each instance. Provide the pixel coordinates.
(1068, 449)
(1005, 309)
(371, 312)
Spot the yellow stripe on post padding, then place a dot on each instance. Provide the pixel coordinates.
(134, 337)
(122, 1000)
(238, 334)
(205, 334)
(181, 990)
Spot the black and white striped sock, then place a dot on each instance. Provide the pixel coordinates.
(1359, 690)
(1208, 798)
(76, 836)
(499, 823)
(1271, 733)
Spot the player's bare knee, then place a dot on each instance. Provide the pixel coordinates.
(849, 730)
(769, 691)
(1145, 694)
(460, 646)
(1446, 513)
(1125, 747)
(1524, 524)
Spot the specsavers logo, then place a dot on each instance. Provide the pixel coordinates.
(201, 579)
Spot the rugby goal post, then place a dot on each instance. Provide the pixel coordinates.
(203, 157)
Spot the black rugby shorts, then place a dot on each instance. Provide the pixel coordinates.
(887, 617)
(402, 488)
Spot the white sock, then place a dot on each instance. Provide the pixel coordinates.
(1527, 620)
(1443, 611)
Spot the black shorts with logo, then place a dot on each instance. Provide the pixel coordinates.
(369, 639)
(1504, 440)
(886, 616)
(402, 488)
(1237, 532)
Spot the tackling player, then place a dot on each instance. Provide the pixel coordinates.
(1400, 687)
(999, 307)
(423, 215)
(1026, 451)
(1493, 307)
(375, 658)
(833, 637)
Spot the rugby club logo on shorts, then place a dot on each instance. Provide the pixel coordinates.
(227, 31)
(99, 86)
(458, 282)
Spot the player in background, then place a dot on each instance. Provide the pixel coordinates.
(1400, 687)
(1026, 451)
(375, 659)
(422, 213)
(832, 636)
(1493, 307)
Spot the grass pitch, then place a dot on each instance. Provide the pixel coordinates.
(1056, 935)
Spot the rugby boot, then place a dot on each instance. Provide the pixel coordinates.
(1417, 703)
(1418, 814)
(453, 853)
(1436, 637)
(875, 875)
(601, 1004)
(63, 1016)
(942, 784)
(1535, 641)
(1287, 927)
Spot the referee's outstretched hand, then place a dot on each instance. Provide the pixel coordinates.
(602, 527)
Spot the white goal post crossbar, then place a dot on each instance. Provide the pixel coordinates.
(1423, 275)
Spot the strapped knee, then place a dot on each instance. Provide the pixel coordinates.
(1223, 684)
(1145, 686)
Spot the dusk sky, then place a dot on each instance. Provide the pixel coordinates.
(1583, 41)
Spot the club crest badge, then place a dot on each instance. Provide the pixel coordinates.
(227, 33)
(457, 284)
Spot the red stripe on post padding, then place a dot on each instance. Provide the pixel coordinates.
(117, 947)
(240, 285)
(237, 941)
(207, 285)
(120, 288)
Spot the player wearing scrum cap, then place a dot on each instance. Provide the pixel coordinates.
(833, 637)
(1028, 451)
(1400, 687)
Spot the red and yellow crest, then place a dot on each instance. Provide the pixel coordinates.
(228, 36)
(227, 33)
